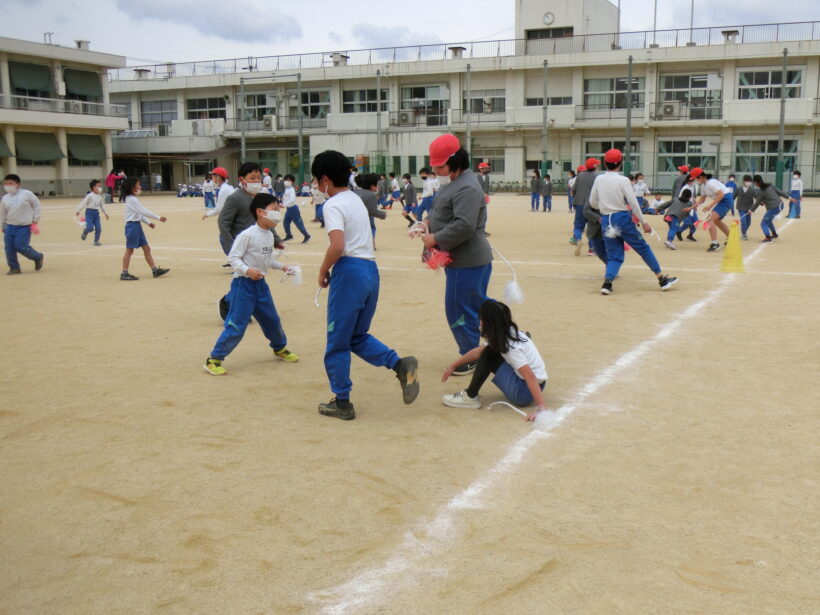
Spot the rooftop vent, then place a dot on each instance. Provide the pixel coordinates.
(84, 45)
(457, 52)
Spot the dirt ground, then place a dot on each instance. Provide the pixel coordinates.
(132, 482)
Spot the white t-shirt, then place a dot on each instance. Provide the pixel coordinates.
(289, 198)
(427, 188)
(267, 183)
(712, 187)
(253, 249)
(394, 185)
(525, 353)
(208, 186)
(347, 213)
(612, 192)
(225, 190)
(797, 186)
(92, 200)
(640, 188)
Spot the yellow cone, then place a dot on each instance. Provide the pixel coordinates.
(733, 255)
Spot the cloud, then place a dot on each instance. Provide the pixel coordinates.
(372, 35)
(333, 36)
(247, 21)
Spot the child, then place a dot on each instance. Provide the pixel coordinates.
(641, 189)
(769, 195)
(426, 194)
(653, 208)
(354, 290)
(796, 195)
(723, 200)
(546, 193)
(135, 214)
(279, 187)
(293, 213)
(510, 354)
(678, 209)
(731, 184)
(395, 191)
(267, 182)
(744, 201)
(208, 192)
(252, 255)
(319, 199)
(19, 209)
(535, 190)
(570, 184)
(410, 200)
(93, 204)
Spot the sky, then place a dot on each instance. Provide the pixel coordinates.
(154, 31)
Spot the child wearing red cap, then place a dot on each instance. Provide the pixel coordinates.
(580, 190)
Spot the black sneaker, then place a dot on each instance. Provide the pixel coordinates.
(127, 277)
(406, 373)
(223, 307)
(13, 271)
(690, 238)
(339, 409)
(714, 247)
(306, 239)
(666, 281)
(680, 236)
(38, 264)
(159, 271)
(84, 235)
(226, 265)
(606, 287)
(287, 238)
(466, 369)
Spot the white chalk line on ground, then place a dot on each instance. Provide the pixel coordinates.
(371, 586)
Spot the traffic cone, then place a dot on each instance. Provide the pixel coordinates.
(733, 255)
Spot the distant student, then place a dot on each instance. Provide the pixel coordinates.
(769, 195)
(483, 179)
(157, 182)
(354, 291)
(410, 201)
(579, 191)
(535, 190)
(279, 187)
(510, 354)
(722, 200)
(395, 190)
(641, 190)
(135, 214)
(653, 208)
(318, 197)
(383, 191)
(293, 213)
(121, 177)
(427, 194)
(111, 185)
(208, 192)
(744, 202)
(731, 184)
(570, 183)
(267, 182)
(19, 209)
(796, 195)
(546, 193)
(93, 203)
(677, 209)
(223, 191)
(366, 186)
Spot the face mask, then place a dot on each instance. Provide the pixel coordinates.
(288, 184)
(795, 177)
(253, 188)
(747, 184)
(424, 178)
(443, 180)
(98, 190)
(10, 189)
(405, 182)
(274, 215)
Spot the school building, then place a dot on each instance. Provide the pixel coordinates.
(56, 119)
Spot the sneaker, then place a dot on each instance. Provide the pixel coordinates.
(338, 409)
(591, 253)
(461, 400)
(84, 235)
(744, 237)
(97, 243)
(226, 265)
(680, 236)
(775, 235)
(13, 271)
(573, 241)
(666, 281)
(466, 369)
(767, 240)
(406, 373)
(214, 367)
(127, 277)
(223, 307)
(38, 264)
(286, 355)
(690, 238)
(669, 245)
(578, 246)
(159, 271)
(713, 247)
(287, 238)
(606, 287)
(306, 239)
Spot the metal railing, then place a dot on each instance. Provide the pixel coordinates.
(606, 112)
(62, 105)
(674, 110)
(817, 106)
(410, 118)
(745, 34)
(459, 116)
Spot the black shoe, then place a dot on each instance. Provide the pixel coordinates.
(690, 238)
(774, 236)
(84, 235)
(226, 265)
(606, 287)
(666, 281)
(339, 409)
(713, 247)
(13, 271)
(306, 239)
(160, 271)
(127, 277)
(223, 307)
(680, 236)
(38, 264)
(466, 369)
(287, 238)
(406, 373)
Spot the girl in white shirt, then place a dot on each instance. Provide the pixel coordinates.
(208, 192)
(510, 354)
(135, 214)
(93, 203)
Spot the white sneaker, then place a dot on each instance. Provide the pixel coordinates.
(462, 400)
(669, 245)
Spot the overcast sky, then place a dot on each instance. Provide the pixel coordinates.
(153, 31)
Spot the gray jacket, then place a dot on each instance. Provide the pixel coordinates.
(457, 220)
(678, 185)
(583, 187)
(593, 217)
(383, 189)
(745, 199)
(535, 185)
(770, 197)
(546, 188)
(675, 207)
(236, 216)
(370, 201)
(484, 182)
(410, 194)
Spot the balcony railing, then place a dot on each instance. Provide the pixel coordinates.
(411, 118)
(62, 105)
(746, 34)
(459, 116)
(674, 110)
(817, 106)
(606, 112)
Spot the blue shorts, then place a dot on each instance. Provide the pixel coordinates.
(396, 194)
(408, 207)
(514, 388)
(721, 209)
(134, 236)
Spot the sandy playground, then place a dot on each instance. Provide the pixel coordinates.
(683, 478)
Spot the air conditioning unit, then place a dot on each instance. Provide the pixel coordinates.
(269, 122)
(163, 130)
(671, 110)
(75, 106)
(407, 118)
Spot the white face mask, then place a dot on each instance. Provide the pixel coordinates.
(443, 180)
(98, 189)
(747, 184)
(288, 184)
(274, 215)
(10, 189)
(795, 177)
(405, 182)
(253, 188)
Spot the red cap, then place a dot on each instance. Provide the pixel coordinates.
(592, 163)
(442, 148)
(683, 168)
(581, 168)
(483, 165)
(696, 172)
(221, 172)
(266, 171)
(613, 156)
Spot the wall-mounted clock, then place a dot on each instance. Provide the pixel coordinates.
(549, 18)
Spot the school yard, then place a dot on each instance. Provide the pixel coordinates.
(682, 478)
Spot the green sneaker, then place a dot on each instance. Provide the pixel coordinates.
(214, 367)
(406, 373)
(338, 409)
(286, 355)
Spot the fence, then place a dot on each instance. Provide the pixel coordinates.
(62, 105)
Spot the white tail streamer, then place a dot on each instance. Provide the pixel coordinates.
(512, 292)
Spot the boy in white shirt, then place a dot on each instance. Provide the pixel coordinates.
(354, 290)
(19, 210)
(796, 193)
(208, 192)
(267, 182)
(292, 213)
(93, 203)
(640, 189)
(135, 215)
(251, 256)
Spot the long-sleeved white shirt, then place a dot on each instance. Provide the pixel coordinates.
(797, 185)
(225, 190)
(394, 185)
(92, 200)
(289, 200)
(19, 209)
(136, 211)
(253, 249)
(435, 183)
(427, 188)
(208, 186)
(640, 188)
(612, 192)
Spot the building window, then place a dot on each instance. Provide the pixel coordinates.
(693, 153)
(701, 95)
(155, 112)
(612, 93)
(597, 149)
(494, 157)
(763, 84)
(34, 163)
(257, 106)
(315, 105)
(205, 108)
(432, 101)
(73, 162)
(760, 156)
(552, 101)
(486, 101)
(362, 101)
(549, 33)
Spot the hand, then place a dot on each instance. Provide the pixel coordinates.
(429, 240)
(280, 245)
(324, 279)
(163, 219)
(152, 225)
(447, 373)
(646, 228)
(204, 216)
(532, 415)
(254, 274)
(287, 268)
(106, 217)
